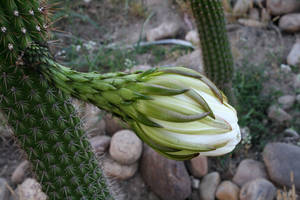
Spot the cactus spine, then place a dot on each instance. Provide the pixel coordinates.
(42, 117)
(217, 56)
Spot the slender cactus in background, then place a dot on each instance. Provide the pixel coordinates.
(217, 56)
(177, 111)
(44, 121)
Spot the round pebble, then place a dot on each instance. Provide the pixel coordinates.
(125, 147)
(119, 171)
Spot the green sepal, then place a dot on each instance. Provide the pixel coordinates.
(152, 89)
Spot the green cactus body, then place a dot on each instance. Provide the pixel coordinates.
(42, 117)
(217, 56)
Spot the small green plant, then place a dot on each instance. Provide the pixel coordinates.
(91, 56)
(253, 104)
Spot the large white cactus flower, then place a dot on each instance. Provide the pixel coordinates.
(199, 120)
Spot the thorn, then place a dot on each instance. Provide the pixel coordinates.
(21, 104)
(49, 93)
(4, 77)
(42, 145)
(60, 180)
(38, 28)
(16, 13)
(9, 110)
(10, 46)
(91, 186)
(59, 147)
(46, 121)
(64, 158)
(77, 156)
(79, 189)
(66, 190)
(40, 109)
(17, 123)
(72, 146)
(25, 79)
(66, 131)
(3, 29)
(31, 153)
(13, 91)
(82, 167)
(29, 118)
(86, 178)
(62, 123)
(23, 30)
(35, 131)
(54, 169)
(49, 185)
(23, 138)
(49, 157)
(43, 174)
(33, 94)
(19, 61)
(70, 169)
(55, 107)
(41, 9)
(43, 81)
(2, 97)
(53, 134)
(75, 180)
(54, 194)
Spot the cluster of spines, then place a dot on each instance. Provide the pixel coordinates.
(217, 56)
(21, 23)
(43, 119)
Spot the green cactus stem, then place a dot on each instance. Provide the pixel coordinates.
(216, 49)
(43, 119)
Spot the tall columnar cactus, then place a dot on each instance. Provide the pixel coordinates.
(42, 117)
(217, 56)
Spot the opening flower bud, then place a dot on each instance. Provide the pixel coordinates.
(195, 119)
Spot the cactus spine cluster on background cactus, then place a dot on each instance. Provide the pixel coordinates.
(215, 46)
(42, 117)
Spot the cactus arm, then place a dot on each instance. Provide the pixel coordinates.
(217, 56)
(44, 121)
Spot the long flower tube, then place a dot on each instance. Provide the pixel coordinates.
(177, 111)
